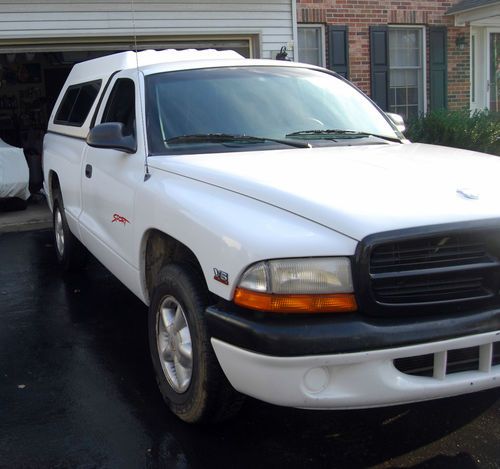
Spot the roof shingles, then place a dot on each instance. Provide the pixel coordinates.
(465, 5)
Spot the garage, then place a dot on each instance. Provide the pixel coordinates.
(41, 40)
(31, 78)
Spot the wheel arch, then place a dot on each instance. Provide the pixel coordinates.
(159, 249)
(53, 186)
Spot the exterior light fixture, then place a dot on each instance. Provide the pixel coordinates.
(460, 42)
(282, 54)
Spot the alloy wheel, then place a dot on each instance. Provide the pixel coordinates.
(59, 231)
(173, 340)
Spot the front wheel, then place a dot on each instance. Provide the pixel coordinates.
(187, 371)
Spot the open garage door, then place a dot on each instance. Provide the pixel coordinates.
(33, 73)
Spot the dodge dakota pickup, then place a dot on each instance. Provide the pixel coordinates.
(290, 243)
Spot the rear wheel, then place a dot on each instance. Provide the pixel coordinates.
(71, 254)
(188, 373)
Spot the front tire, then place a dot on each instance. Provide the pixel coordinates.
(187, 371)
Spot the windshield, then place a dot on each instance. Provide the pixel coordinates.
(269, 104)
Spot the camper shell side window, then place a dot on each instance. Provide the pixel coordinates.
(77, 102)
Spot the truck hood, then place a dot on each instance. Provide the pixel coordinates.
(357, 190)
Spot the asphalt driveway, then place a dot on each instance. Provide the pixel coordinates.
(77, 391)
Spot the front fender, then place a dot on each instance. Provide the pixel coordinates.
(228, 231)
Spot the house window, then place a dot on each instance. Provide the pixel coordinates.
(406, 89)
(311, 44)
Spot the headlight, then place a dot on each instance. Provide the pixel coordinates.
(298, 285)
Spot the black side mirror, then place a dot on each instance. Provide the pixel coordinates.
(111, 135)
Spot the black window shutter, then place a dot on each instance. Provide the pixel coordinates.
(438, 68)
(338, 49)
(379, 61)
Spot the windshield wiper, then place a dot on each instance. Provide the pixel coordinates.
(338, 133)
(229, 138)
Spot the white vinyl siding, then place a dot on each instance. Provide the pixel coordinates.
(269, 20)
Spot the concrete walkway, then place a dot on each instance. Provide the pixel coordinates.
(36, 216)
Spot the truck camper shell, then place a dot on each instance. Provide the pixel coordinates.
(100, 70)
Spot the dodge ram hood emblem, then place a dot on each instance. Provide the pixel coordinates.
(468, 193)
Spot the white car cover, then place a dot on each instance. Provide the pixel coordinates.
(14, 172)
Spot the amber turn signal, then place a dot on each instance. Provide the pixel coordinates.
(334, 303)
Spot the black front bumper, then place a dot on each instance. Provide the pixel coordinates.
(319, 334)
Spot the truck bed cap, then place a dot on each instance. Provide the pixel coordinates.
(126, 60)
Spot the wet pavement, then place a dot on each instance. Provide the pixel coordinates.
(77, 391)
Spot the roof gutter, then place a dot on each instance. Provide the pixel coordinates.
(476, 13)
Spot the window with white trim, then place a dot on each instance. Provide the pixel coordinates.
(311, 48)
(406, 74)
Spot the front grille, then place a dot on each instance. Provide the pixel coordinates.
(429, 253)
(431, 289)
(441, 364)
(431, 268)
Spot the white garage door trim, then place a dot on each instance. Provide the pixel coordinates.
(249, 42)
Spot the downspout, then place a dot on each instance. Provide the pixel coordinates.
(295, 34)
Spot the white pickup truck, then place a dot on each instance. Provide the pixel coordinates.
(291, 244)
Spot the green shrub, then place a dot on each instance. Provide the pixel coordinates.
(479, 131)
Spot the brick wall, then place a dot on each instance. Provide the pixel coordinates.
(360, 14)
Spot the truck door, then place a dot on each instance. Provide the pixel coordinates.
(110, 180)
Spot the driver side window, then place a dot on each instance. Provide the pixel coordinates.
(121, 105)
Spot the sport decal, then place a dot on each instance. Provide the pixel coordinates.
(119, 219)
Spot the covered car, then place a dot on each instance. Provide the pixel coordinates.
(14, 172)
